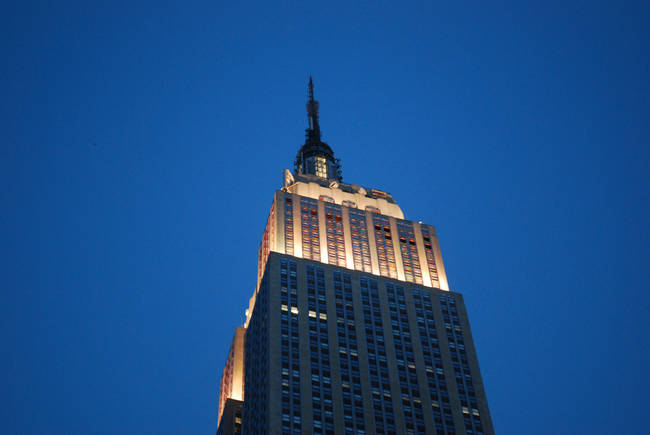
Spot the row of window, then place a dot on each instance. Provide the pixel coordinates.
(310, 229)
(319, 352)
(428, 252)
(460, 364)
(335, 240)
(410, 257)
(288, 226)
(353, 418)
(382, 401)
(361, 258)
(359, 236)
(290, 349)
(265, 246)
(385, 249)
(432, 357)
(405, 359)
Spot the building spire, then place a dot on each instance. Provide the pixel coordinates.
(315, 157)
(313, 131)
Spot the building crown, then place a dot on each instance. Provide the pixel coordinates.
(316, 157)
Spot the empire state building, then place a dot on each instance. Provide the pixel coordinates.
(352, 327)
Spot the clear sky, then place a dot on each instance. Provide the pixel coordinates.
(142, 142)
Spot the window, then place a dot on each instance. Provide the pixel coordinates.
(326, 198)
(321, 166)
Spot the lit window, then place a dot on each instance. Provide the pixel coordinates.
(321, 166)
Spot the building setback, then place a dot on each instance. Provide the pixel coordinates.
(352, 328)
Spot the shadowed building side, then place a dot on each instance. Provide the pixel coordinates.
(231, 419)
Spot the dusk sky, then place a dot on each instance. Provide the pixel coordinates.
(142, 143)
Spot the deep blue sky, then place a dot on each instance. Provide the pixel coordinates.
(141, 145)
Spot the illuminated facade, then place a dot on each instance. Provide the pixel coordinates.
(232, 379)
(352, 328)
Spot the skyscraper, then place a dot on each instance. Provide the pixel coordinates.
(352, 328)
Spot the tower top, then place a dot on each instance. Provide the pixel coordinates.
(315, 156)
